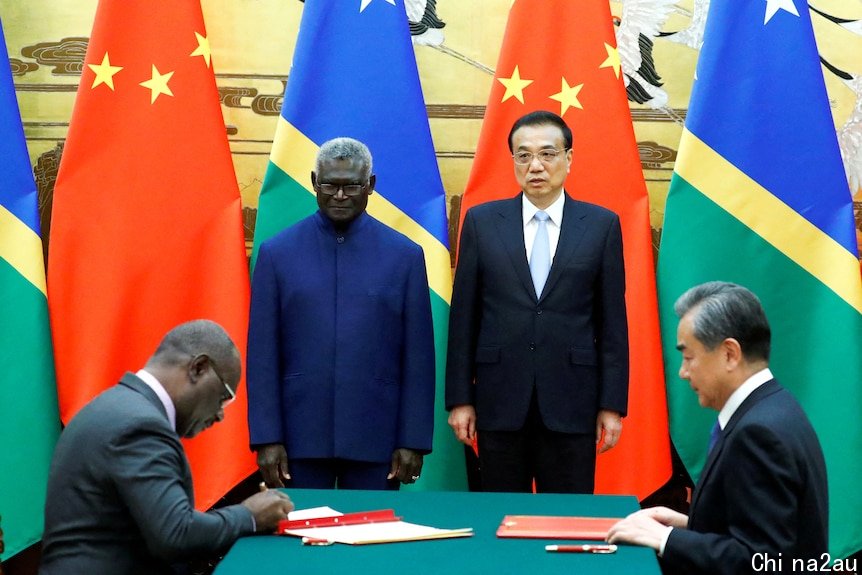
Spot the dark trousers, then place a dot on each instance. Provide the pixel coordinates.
(341, 473)
(558, 462)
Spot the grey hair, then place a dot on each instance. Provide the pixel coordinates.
(344, 149)
(193, 338)
(724, 310)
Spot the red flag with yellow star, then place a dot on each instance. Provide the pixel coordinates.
(147, 225)
(560, 55)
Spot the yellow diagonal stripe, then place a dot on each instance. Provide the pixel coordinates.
(770, 218)
(294, 154)
(22, 248)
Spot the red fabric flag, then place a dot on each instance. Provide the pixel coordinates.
(560, 55)
(147, 225)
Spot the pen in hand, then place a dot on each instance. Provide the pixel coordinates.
(581, 548)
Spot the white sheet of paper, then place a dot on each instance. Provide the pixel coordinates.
(312, 513)
(384, 532)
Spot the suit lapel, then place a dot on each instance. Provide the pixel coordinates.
(510, 227)
(767, 388)
(571, 232)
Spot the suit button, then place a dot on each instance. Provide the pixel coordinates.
(532, 346)
(538, 312)
(340, 239)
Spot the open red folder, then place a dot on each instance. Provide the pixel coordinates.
(324, 526)
(550, 527)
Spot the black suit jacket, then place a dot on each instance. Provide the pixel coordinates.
(120, 492)
(763, 490)
(570, 342)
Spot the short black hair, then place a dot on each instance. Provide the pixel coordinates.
(722, 310)
(195, 338)
(542, 118)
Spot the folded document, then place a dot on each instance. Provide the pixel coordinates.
(549, 527)
(363, 528)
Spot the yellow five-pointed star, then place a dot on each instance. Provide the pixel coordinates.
(613, 59)
(514, 86)
(158, 84)
(104, 72)
(568, 97)
(203, 48)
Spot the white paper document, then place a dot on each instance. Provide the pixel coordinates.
(368, 533)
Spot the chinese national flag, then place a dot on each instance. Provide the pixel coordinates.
(147, 230)
(560, 55)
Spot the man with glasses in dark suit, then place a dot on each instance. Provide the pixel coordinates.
(340, 347)
(538, 341)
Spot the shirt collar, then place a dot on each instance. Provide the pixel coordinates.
(554, 211)
(162, 394)
(741, 394)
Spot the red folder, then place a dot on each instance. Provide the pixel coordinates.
(360, 518)
(550, 527)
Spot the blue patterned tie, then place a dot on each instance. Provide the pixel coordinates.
(540, 257)
(714, 435)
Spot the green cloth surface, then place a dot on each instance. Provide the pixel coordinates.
(479, 554)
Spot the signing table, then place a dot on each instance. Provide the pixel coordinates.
(480, 554)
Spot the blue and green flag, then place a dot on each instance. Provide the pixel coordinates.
(354, 74)
(29, 422)
(759, 197)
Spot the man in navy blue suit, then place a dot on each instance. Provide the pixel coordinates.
(340, 347)
(538, 339)
(761, 501)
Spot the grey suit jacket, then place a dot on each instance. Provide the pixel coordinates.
(762, 491)
(120, 492)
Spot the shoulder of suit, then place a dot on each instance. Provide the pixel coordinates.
(592, 210)
(495, 206)
(291, 233)
(391, 236)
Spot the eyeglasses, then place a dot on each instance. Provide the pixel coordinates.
(545, 156)
(229, 395)
(350, 190)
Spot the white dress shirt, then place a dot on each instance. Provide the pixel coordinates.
(157, 387)
(555, 220)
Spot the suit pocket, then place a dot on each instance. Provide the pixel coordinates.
(583, 356)
(488, 355)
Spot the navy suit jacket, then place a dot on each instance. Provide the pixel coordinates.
(570, 343)
(763, 490)
(340, 346)
(120, 495)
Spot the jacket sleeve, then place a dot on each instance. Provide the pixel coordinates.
(464, 319)
(147, 466)
(612, 336)
(416, 401)
(265, 423)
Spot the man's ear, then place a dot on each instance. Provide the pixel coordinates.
(198, 366)
(371, 181)
(313, 179)
(732, 352)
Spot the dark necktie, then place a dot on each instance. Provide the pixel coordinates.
(714, 435)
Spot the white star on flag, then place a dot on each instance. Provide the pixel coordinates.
(364, 4)
(773, 6)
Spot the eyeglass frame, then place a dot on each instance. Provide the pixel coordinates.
(536, 155)
(225, 401)
(321, 188)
